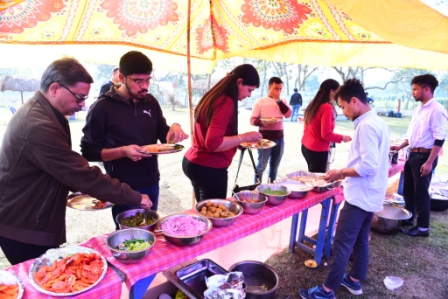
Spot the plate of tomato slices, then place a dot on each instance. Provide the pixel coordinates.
(10, 285)
(67, 271)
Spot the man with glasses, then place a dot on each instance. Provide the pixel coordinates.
(38, 166)
(123, 120)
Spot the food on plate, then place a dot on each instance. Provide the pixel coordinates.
(259, 144)
(134, 245)
(270, 119)
(70, 274)
(9, 288)
(269, 191)
(139, 219)
(183, 226)
(215, 210)
(158, 148)
(311, 263)
(98, 204)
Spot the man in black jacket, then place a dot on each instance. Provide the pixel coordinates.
(123, 120)
(295, 102)
(114, 80)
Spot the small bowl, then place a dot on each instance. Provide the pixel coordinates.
(298, 189)
(230, 206)
(130, 213)
(119, 236)
(252, 202)
(184, 240)
(274, 200)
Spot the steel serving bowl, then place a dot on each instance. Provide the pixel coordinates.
(184, 240)
(274, 200)
(252, 202)
(119, 236)
(230, 206)
(257, 274)
(130, 213)
(298, 189)
(388, 220)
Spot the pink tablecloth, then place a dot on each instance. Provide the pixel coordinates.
(396, 168)
(165, 255)
(109, 287)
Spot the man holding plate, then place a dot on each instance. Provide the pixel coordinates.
(119, 125)
(268, 113)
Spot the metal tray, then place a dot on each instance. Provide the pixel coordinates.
(191, 279)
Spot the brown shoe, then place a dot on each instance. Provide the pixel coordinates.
(415, 232)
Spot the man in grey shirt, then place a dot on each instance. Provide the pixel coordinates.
(365, 186)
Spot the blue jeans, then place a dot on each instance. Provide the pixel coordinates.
(151, 191)
(352, 234)
(272, 155)
(295, 112)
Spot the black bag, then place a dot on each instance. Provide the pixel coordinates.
(237, 188)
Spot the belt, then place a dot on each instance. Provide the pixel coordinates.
(420, 150)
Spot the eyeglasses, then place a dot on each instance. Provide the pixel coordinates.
(80, 98)
(140, 81)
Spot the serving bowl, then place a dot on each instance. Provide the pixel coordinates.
(388, 220)
(298, 189)
(257, 274)
(153, 214)
(252, 202)
(126, 256)
(276, 194)
(230, 206)
(175, 228)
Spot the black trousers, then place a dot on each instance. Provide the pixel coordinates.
(415, 188)
(207, 182)
(17, 252)
(317, 161)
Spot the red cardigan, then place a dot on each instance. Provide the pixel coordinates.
(207, 139)
(318, 134)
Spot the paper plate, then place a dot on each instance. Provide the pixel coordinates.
(262, 144)
(85, 202)
(310, 264)
(162, 148)
(48, 258)
(270, 119)
(9, 275)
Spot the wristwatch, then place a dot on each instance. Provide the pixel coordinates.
(278, 101)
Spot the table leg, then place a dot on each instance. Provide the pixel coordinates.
(400, 184)
(293, 234)
(138, 290)
(322, 227)
(331, 225)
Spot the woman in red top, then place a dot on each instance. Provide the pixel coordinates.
(215, 137)
(319, 120)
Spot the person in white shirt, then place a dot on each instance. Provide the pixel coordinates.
(268, 113)
(365, 187)
(425, 137)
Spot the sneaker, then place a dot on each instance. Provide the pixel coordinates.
(317, 292)
(353, 287)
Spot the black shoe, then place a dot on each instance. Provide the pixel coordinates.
(408, 222)
(415, 232)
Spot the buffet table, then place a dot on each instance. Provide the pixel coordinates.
(165, 255)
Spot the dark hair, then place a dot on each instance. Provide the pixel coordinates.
(426, 80)
(351, 88)
(227, 85)
(296, 90)
(115, 69)
(135, 62)
(275, 80)
(67, 71)
(322, 96)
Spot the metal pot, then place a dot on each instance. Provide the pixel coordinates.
(387, 221)
(438, 202)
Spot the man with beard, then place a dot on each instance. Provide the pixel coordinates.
(425, 136)
(38, 166)
(123, 120)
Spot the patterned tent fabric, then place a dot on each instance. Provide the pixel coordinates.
(308, 31)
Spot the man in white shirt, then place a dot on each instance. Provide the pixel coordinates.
(364, 191)
(425, 136)
(268, 113)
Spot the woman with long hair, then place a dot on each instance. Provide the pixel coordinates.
(215, 137)
(318, 133)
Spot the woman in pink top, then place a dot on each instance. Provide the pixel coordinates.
(319, 120)
(215, 137)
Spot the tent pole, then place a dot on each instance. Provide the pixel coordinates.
(190, 96)
(21, 95)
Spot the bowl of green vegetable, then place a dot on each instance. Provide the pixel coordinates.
(276, 194)
(130, 245)
(138, 218)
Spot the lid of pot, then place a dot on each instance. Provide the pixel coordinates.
(438, 196)
(394, 212)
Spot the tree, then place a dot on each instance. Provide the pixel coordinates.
(402, 79)
(303, 74)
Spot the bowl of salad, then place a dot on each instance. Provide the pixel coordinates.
(130, 245)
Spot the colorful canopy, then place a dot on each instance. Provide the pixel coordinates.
(401, 33)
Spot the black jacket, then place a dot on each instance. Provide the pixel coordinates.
(296, 99)
(113, 121)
